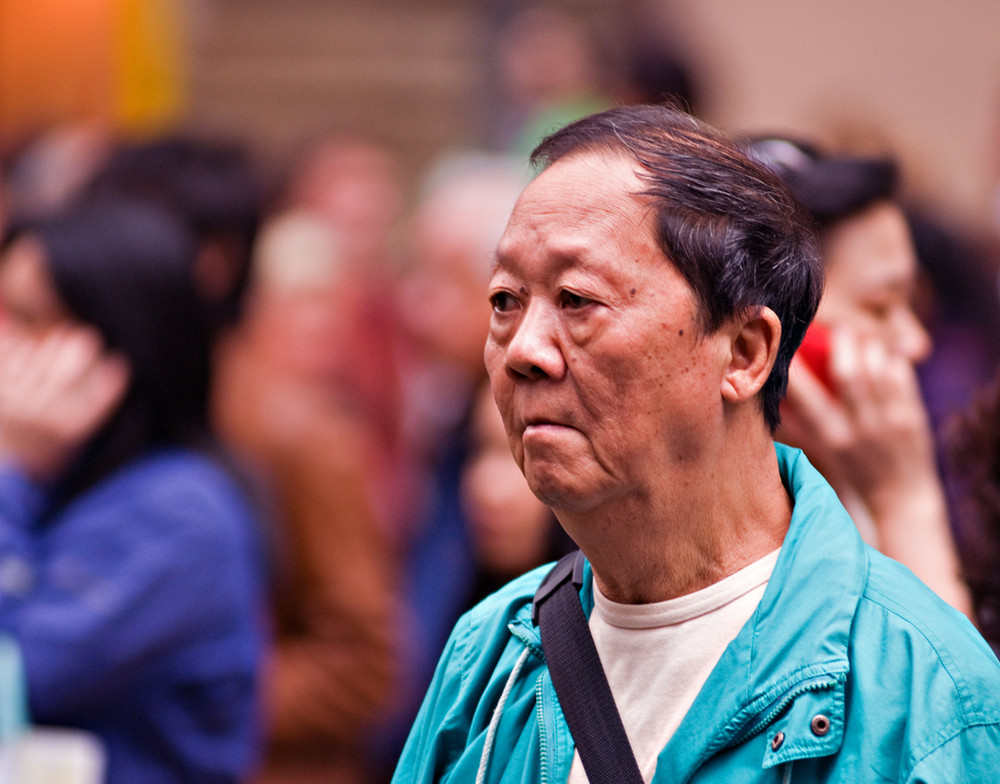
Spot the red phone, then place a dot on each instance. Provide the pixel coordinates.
(815, 352)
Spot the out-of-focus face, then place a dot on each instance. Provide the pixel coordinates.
(356, 187)
(605, 384)
(452, 236)
(29, 303)
(544, 54)
(441, 294)
(871, 273)
(510, 527)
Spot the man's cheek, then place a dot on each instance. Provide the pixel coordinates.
(493, 359)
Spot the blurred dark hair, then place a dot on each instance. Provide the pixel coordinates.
(125, 268)
(214, 184)
(831, 187)
(659, 75)
(974, 454)
(725, 221)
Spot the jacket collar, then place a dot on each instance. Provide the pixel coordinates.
(784, 675)
(789, 663)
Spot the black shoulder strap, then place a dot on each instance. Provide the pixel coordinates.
(579, 678)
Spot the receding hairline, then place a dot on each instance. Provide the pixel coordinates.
(611, 154)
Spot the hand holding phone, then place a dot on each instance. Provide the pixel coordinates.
(815, 352)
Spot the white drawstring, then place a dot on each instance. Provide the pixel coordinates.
(484, 761)
(787, 777)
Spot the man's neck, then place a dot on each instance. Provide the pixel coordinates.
(653, 549)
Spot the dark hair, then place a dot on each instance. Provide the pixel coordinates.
(973, 440)
(213, 184)
(831, 187)
(125, 268)
(726, 222)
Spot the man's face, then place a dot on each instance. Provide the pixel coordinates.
(606, 387)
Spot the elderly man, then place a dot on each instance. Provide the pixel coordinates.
(648, 293)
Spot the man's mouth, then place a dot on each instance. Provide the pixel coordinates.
(542, 423)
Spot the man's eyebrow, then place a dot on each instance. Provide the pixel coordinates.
(497, 263)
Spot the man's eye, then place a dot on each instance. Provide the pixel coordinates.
(574, 301)
(502, 301)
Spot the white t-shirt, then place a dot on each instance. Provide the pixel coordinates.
(658, 656)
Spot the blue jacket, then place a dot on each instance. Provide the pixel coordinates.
(137, 609)
(908, 689)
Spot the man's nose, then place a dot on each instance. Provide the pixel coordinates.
(534, 350)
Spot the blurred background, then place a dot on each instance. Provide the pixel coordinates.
(423, 76)
(345, 168)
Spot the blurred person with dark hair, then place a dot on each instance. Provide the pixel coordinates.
(657, 65)
(283, 400)
(130, 551)
(962, 384)
(354, 188)
(854, 402)
(655, 74)
(958, 301)
(511, 531)
(460, 212)
(974, 441)
(215, 185)
(308, 394)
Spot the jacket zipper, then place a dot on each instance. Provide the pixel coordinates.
(786, 699)
(543, 744)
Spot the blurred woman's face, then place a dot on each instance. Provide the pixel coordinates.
(871, 271)
(29, 303)
(510, 527)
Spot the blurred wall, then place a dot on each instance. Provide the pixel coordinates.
(925, 75)
(404, 74)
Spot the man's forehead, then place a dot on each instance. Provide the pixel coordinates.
(566, 251)
(582, 183)
(595, 167)
(591, 261)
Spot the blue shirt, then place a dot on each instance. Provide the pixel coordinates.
(138, 611)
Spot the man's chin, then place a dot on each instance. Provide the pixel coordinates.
(560, 488)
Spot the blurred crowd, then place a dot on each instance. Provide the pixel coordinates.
(250, 471)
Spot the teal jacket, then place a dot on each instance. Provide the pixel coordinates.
(850, 670)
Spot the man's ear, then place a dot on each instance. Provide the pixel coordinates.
(753, 348)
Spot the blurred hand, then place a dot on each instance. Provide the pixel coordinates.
(873, 432)
(873, 435)
(56, 391)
